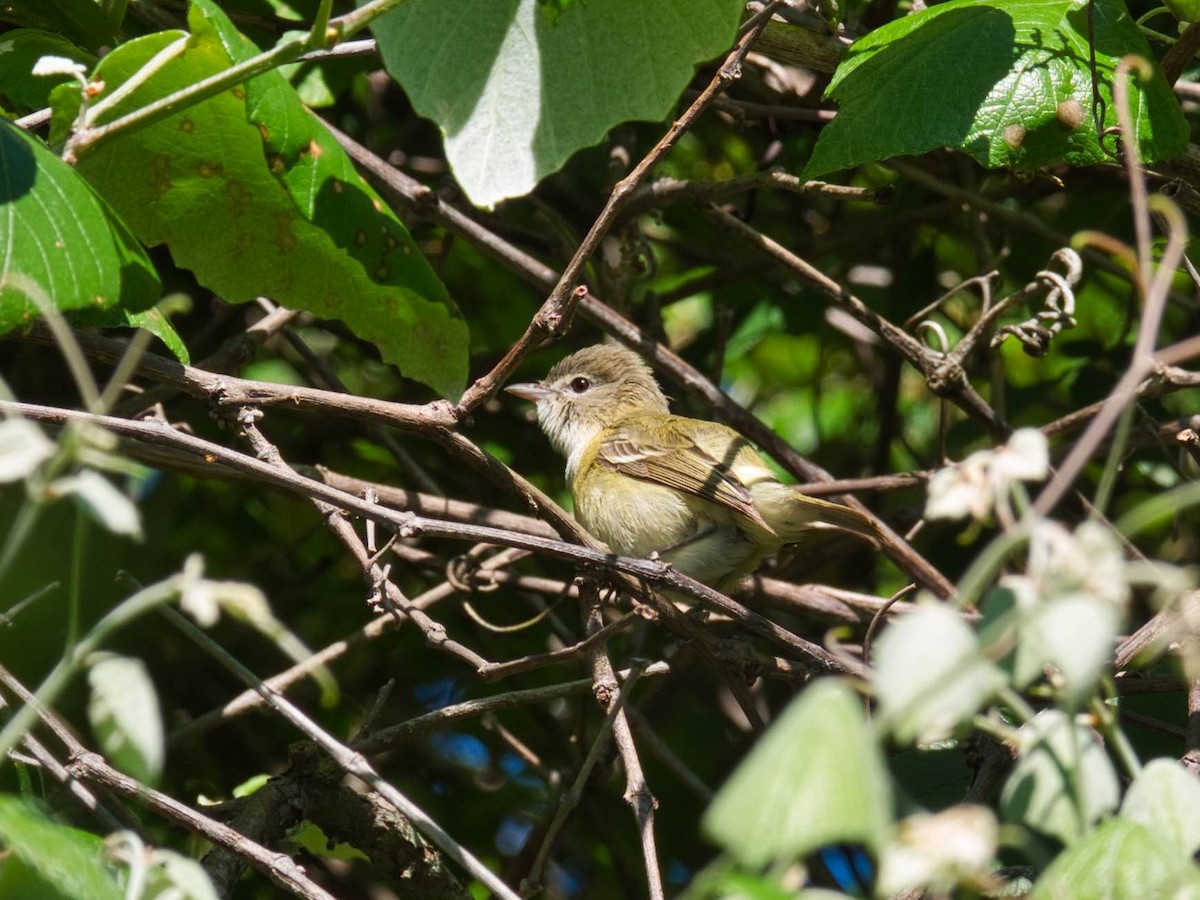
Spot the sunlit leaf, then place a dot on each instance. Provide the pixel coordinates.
(102, 501)
(254, 195)
(1165, 797)
(515, 94)
(1063, 781)
(178, 877)
(58, 234)
(1120, 860)
(815, 778)
(1074, 633)
(310, 838)
(63, 859)
(931, 675)
(1007, 81)
(124, 712)
(938, 850)
(23, 447)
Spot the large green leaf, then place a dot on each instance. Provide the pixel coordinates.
(1006, 81)
(62, 860)
(516, 91)
(816, 777)
(55, 232)
(251, 193)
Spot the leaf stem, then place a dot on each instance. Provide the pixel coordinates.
(135, 81)
(22, 526)
(317, 34)
(202, 90)
(1107, 725)
(75, 582)
(284, 52)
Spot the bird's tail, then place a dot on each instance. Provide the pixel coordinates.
(791, 514)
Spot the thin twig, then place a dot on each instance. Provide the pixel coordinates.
(394, 735)
(408, 524)
(637, 791)
(91, 768)
(350, 761)
(951, 383)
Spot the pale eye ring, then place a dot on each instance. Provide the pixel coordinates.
(580, 384)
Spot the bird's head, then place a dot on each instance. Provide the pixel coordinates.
(594, 388)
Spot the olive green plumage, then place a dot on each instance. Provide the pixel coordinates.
(644, 480)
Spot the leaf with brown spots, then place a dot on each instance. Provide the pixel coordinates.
(253, 194)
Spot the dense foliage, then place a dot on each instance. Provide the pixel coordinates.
(267, 265)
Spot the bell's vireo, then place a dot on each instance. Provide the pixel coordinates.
(645, 480)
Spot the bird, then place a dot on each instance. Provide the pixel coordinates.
(647, 482)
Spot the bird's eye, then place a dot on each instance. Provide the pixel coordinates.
(580, 384)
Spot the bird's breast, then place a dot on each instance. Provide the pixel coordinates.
(631, 516)
(636, 518)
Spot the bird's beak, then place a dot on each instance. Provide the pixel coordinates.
(530, 391)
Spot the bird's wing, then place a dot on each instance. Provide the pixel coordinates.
(672, 458)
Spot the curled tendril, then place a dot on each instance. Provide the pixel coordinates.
(463, 574)
(1058, 314)
(938, 331)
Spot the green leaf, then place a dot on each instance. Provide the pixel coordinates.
(1120, 860)
(1072, 632)
(515, 93)
(102, 501)
(1185, 10)
(721, 881)
(309, 837)
(123, 709)
(816, 777)
(1165, 797)
(65, 860)
(251, 785)
(1063, 781)
(153, 321)
(23, 448)
(19, 50)
(252, 193)
(931, 674)
(80, 20)
(59, 235)
(178, 877)
(1007, 82)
